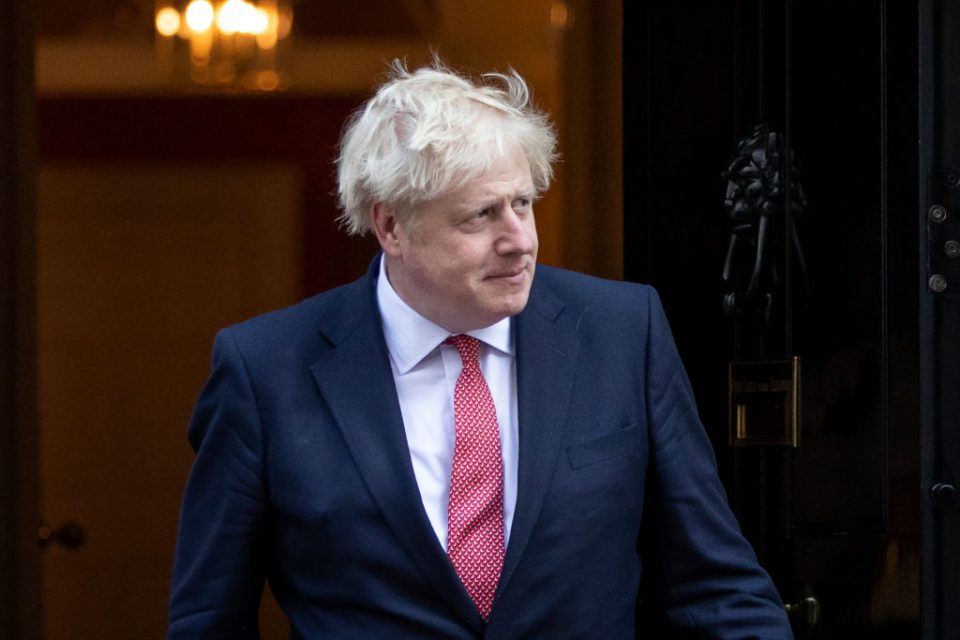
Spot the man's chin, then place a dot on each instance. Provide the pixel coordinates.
(490, 309)
(514, 305)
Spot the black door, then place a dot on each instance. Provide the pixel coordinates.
(778, 198)
(939, 206)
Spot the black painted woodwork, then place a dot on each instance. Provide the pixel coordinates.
(839, 517)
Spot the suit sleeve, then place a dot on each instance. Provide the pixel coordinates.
(707, 576)
(218, 572)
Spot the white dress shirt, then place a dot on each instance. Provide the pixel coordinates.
(425, 372)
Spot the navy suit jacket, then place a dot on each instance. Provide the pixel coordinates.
(303, 476)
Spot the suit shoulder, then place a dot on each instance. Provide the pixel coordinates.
(577, 288)
(292, 326)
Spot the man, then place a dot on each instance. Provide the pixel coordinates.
(461, 444)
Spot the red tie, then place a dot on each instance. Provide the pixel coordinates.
(475, 512)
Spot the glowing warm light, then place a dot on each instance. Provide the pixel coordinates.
(259, 22)
(168, 21)
(267, 40)
(230, 18)
(230, 42)
(268, 80)
(239, 16)
(199, 16)
(561, 16)
(284, 24)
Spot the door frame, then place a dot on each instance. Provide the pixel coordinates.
(19, 551)
(940, 457)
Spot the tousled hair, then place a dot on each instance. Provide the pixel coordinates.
(429, 131)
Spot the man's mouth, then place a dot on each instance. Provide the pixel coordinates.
(515, 276)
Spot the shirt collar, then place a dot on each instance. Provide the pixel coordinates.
(411, 337)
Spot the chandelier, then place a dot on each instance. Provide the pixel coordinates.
(224, 43)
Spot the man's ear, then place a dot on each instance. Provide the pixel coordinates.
(384, 220)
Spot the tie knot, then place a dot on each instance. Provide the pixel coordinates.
(468, 346)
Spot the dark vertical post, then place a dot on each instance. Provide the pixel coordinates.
(928, 570)
(939, 211)
(19, 555)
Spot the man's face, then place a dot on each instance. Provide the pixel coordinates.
(466, 259)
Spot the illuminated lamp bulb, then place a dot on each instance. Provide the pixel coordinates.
(199, 15)
(168, 21)
(231, 16)
(259, 22)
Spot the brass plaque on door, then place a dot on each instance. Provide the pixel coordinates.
(765, 403)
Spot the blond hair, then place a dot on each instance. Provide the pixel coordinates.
(426, 132)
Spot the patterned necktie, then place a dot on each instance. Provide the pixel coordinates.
(475, 511)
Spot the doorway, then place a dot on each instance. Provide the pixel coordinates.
(820, 101)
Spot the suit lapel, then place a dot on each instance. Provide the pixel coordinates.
(547, 347)
(355, 378)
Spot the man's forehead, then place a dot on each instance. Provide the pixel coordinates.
(494, 191)
(506, 179)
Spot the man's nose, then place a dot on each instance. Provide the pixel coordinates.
(518, 234)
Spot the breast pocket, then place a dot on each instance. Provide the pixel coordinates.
(607, 447)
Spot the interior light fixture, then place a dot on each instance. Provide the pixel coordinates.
(225, 43)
